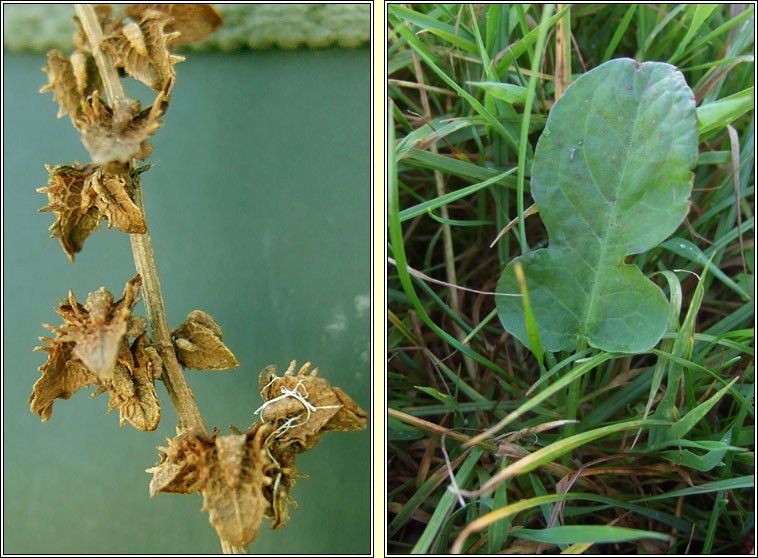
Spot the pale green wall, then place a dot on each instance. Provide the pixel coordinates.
(44, 26)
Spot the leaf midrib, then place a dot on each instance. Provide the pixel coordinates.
(612, 214)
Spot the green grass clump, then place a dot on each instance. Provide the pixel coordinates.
(594, 452)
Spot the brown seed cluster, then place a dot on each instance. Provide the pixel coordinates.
(92, 347)
(245, 477)
(82, 196)
(198, 344)
(116, 132)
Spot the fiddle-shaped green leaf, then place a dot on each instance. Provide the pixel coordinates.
(611, 177)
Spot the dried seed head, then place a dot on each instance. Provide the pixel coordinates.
(91, 347)
(198, 344)
(76, 219)
(141, 49)
(186, 23)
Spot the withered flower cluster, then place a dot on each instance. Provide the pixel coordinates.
(92, 347)
(243, 477)
(247, 476)
(115, 134)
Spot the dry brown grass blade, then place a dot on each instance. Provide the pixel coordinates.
(447, 236)
(714, 80)
(535, 430)
(425, 277)
(516, 451)
(415, 85)
(562, 55)
(735, 151)
(529, 211)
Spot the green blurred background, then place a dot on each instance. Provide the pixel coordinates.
(258, 205)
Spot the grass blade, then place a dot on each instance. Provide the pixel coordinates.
(595, 534)
(714, 117)
(620, 30)
(686, 249)
(450, 197)
(701, 13)
(443, 508)
(681, 427)
(547, 9)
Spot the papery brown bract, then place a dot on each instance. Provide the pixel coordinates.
(233, 492)
(118, 133)
(198, 343)
(91, 347)
(320, 408)
(141, 49)
(231, 472)
(61, 377)
(71, 80)
(110, 133)
(194, 22)
(98, 335)
(349, 418)
(175, 473)
(82, 196)
(132, 388)
(244, 477)
(231, 452)
(75, 218)
(112, 193)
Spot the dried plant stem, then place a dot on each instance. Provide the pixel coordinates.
(231, 549)
(108, 73)
(142, 249)
(173, 378)
(144, 260)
